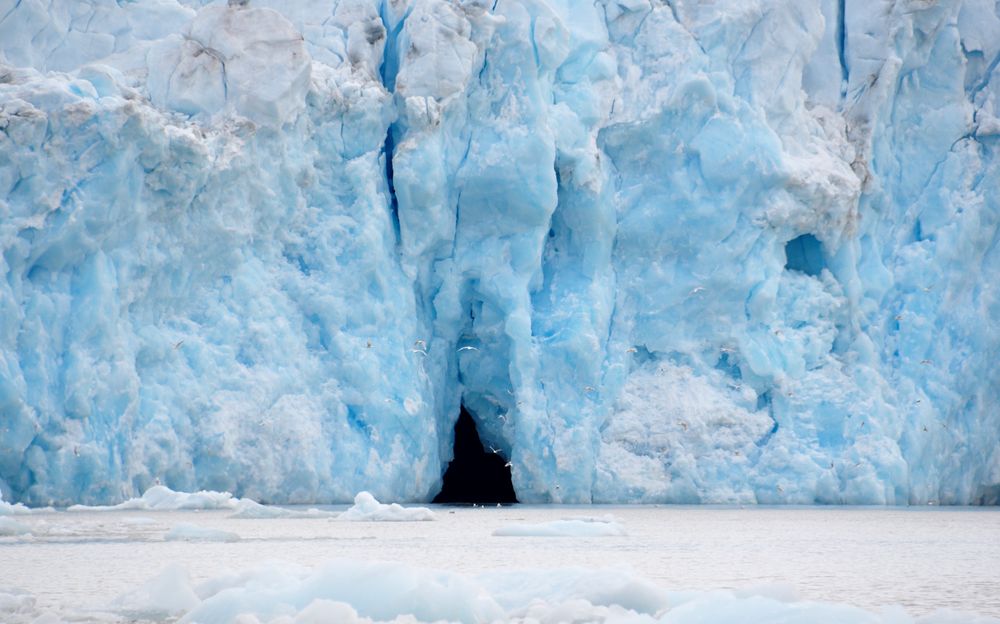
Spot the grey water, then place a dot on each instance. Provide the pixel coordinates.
(921, 558)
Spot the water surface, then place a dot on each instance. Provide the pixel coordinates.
(920, 558)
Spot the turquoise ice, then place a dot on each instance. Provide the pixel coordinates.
(670, 251)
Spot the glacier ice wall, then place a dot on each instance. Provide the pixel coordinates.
(665, 251)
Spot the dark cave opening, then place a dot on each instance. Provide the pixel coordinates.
(476, 474)
(805, 254)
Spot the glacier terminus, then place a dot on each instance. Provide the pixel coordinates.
(688, 251)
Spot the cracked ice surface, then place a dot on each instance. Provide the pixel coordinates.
(692, 251)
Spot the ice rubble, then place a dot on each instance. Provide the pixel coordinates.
(348, 591)
(730, 251)
(161, 498)
(367, 509)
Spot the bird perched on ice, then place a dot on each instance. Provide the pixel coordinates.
(238, 3)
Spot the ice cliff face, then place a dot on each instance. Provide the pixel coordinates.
(729, 251)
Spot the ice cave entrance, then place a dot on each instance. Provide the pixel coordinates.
(805, 254)
(476, 474)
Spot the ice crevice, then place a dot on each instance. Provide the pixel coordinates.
(841, 36)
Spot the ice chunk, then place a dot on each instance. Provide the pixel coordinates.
(9, 526)
(567, 527)
(11, 509)
(246, 508)
(187, 532)
(168, 593)
(17, 605)
(381, 591)
(367, 509)
(352, 591)
(162, 498)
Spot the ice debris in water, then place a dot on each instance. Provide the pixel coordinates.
(367, 509)
(11, 509)
(697, 252)
(162, 498)
(169, 593)
(584, 526)
(361, 592)
(9, 526)
(188, 532)
(250, 509)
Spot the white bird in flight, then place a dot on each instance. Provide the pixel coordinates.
(468, 348)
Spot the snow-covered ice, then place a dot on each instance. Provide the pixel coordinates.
(367, 509)
(739, 251)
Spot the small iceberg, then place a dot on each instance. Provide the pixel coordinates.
(367, 509)
(582, 526)
(162, 498)
(18, 509)
(250, 509)
(9, 527)
(187, 532)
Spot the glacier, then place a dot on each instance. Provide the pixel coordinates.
(729, 251)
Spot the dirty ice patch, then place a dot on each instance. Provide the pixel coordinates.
(367, 509)
(581, 526)
(187, 532)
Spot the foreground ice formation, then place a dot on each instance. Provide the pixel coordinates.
(364, 592)
(687, 251)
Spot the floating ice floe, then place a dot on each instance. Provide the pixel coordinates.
(169, 593)
(187, 532)
(249, 509)
(9, 526)
(582, 526)
(353, 592)
(367, 509)
(18, 509)
(162, 498)
(17, 605)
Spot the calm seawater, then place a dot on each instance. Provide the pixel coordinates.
(920, 558)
